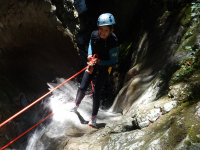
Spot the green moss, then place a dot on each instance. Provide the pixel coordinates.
(187, 35)
(187, 68)
(180, 49)
(192, 132)
(187, 19)
(177, 129)
(178, 76)
(190, 36)
(176, 133)
(182, 12)
(184, 30)
(187, 142)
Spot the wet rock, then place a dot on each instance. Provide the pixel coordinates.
(180, 92)
(34, 49)
(126, 124)
(185, 91)
(169, 106)
(168, 132)
(146, 116)
(198, 110)
(144, 98)
(143, 124)
(141, 99)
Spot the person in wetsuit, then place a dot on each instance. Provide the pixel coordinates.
(104, 43)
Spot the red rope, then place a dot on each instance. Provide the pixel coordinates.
(26, 131)
(88, 95)
(36, 125)
(32, 128)
(92, 86)
(40, 98)
(9, 119)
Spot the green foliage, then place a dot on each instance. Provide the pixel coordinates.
(189, 44)
(195, 11)
(189, 66)
(188, 48)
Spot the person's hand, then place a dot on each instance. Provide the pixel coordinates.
(89, 58)
(92, 62)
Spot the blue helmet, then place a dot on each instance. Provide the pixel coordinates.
(105, 19)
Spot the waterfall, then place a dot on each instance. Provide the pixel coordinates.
(50, 134)
(64, 124)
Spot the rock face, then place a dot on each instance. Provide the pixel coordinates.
(159, 99)
(35, 47)
(33, 39)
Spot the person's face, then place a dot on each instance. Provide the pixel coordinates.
(104, 31)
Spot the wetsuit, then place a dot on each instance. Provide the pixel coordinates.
(108, 52)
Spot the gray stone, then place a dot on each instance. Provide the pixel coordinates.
(169, 106)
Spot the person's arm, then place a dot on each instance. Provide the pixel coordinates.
(114, 53)
(90, 48)
(89, 57)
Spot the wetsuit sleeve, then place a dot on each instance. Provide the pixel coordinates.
(114, 53)
(90, 46)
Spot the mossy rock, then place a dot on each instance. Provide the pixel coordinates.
(192, 132)
(185, 21)
(190, 37)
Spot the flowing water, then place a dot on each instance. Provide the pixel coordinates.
(64, 124)
(49, 135)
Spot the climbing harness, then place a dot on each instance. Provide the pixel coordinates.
(90, 64)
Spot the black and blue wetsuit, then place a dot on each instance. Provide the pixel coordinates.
(107, 51)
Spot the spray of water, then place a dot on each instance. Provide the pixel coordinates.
(60, 102)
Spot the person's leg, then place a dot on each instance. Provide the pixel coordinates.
(83, 87)
(79, 96)
(100, 81)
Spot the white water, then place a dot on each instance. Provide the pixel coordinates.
(65, 124)
(59, 102)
